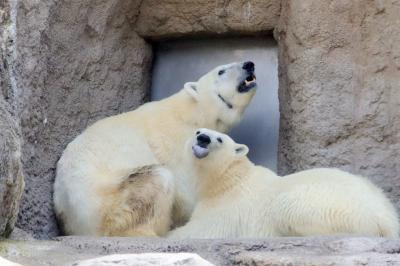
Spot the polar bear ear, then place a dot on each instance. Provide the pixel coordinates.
(241, 150)
(191, 88)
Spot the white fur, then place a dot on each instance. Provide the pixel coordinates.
(239, 199)
(111, 149)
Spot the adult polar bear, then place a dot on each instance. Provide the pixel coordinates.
(239, 199)
(111, 179)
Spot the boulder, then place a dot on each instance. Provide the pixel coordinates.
(147, 259)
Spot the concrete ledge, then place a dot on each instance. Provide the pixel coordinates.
(339, 250)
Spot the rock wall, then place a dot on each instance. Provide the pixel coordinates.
(160, 19)
(340, 88)
(11, 176)
(75, 62)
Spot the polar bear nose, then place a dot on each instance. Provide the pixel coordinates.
(248, 66)
(203, 140)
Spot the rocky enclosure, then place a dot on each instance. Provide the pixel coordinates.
(67, 64)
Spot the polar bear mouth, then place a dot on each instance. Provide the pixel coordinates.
(199, 152)
(247, 84)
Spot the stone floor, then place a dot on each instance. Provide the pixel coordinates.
(339, 250)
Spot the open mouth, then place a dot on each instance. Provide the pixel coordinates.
(247, 84)
(199, 151)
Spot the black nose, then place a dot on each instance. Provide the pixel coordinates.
(203, 140)
(249, 66)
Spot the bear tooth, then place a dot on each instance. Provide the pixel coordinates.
(249, 82)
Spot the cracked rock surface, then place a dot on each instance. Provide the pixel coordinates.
(318, 251)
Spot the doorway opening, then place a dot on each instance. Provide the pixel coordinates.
(177, 62)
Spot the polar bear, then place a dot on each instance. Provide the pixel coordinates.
(238, 199)
(123, 176)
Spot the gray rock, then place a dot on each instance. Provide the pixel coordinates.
(146, 259)
(340, 88)
(76, 62)
(20, 235)
(261, 259)
(11, 177)
(165, 19)
(338, 250)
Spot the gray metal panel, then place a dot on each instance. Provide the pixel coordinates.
(179, 62)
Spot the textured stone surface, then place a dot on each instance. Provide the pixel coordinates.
(147, 259)
(319, 251)
(77, 62)
(264, 259)
(167, 18)
(11, 177)
(340, 88)
(19, 234)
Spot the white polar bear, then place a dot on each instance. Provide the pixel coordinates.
(238, 199)
(122, 175)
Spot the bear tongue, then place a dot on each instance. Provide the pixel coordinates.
(199, 152)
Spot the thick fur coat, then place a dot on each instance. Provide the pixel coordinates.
(124, 176)
(238, 199)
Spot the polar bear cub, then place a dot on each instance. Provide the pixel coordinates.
(239, 199)
(124, 174)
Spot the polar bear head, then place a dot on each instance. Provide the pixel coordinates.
(224, 93)
(214, 155)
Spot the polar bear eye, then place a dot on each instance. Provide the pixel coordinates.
(221, 72)
(198, 132)
(219, 140)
